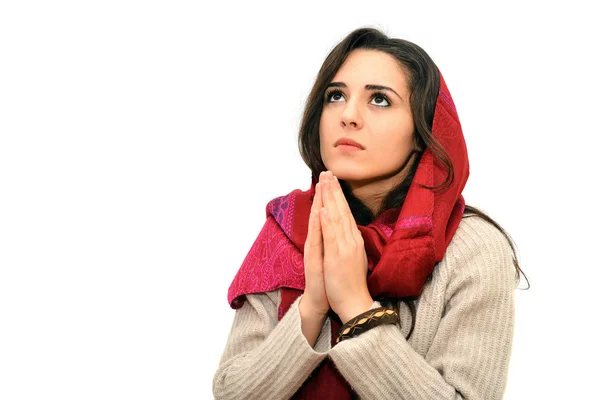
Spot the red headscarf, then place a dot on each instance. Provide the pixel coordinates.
(403, 244)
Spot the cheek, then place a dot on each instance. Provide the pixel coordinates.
(406, 131)
(325, 139)
(395, 144)
(324, 126)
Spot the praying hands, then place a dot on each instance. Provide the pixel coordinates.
(344, 260)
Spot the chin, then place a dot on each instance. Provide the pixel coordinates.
(349, 173)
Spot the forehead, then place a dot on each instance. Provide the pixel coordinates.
(363, 67)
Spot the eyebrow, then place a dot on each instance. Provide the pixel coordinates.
(368, 87)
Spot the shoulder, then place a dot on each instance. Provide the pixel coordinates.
(479, 251)
(475, 235)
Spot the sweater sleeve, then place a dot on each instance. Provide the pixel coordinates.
(265, 358)
(468, 358)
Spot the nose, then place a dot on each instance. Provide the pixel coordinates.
(351, 116)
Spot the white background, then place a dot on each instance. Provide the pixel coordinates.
(141, 141)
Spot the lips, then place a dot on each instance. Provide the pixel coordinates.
(349, 142)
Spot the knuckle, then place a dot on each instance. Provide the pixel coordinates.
(345, 256)
(345, 250)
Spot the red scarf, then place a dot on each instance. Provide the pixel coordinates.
(403, 244)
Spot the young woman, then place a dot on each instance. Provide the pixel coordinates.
(378, 282)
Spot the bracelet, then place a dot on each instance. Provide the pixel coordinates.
(367, 320)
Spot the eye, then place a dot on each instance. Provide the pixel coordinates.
(333, 93)
(381, 96)
(381, 100)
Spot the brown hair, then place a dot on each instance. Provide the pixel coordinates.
(423, 81)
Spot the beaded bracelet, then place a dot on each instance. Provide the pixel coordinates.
(367, 320)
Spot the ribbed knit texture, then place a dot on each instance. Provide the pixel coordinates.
(461, 344)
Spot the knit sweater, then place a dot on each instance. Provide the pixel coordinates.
(459, 349)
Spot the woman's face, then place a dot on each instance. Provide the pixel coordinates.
(380, 119)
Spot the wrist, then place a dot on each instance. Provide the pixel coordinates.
(355, 308)
(311, 322)
(308, 310)
(367, 320)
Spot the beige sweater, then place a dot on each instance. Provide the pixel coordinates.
(460, 348)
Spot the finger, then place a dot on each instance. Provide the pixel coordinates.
(314, 238)
(329, 239)
(318, 199)
(333, 213)
(343, 209)
(317, 204)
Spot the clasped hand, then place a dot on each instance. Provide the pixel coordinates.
(335, 261)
